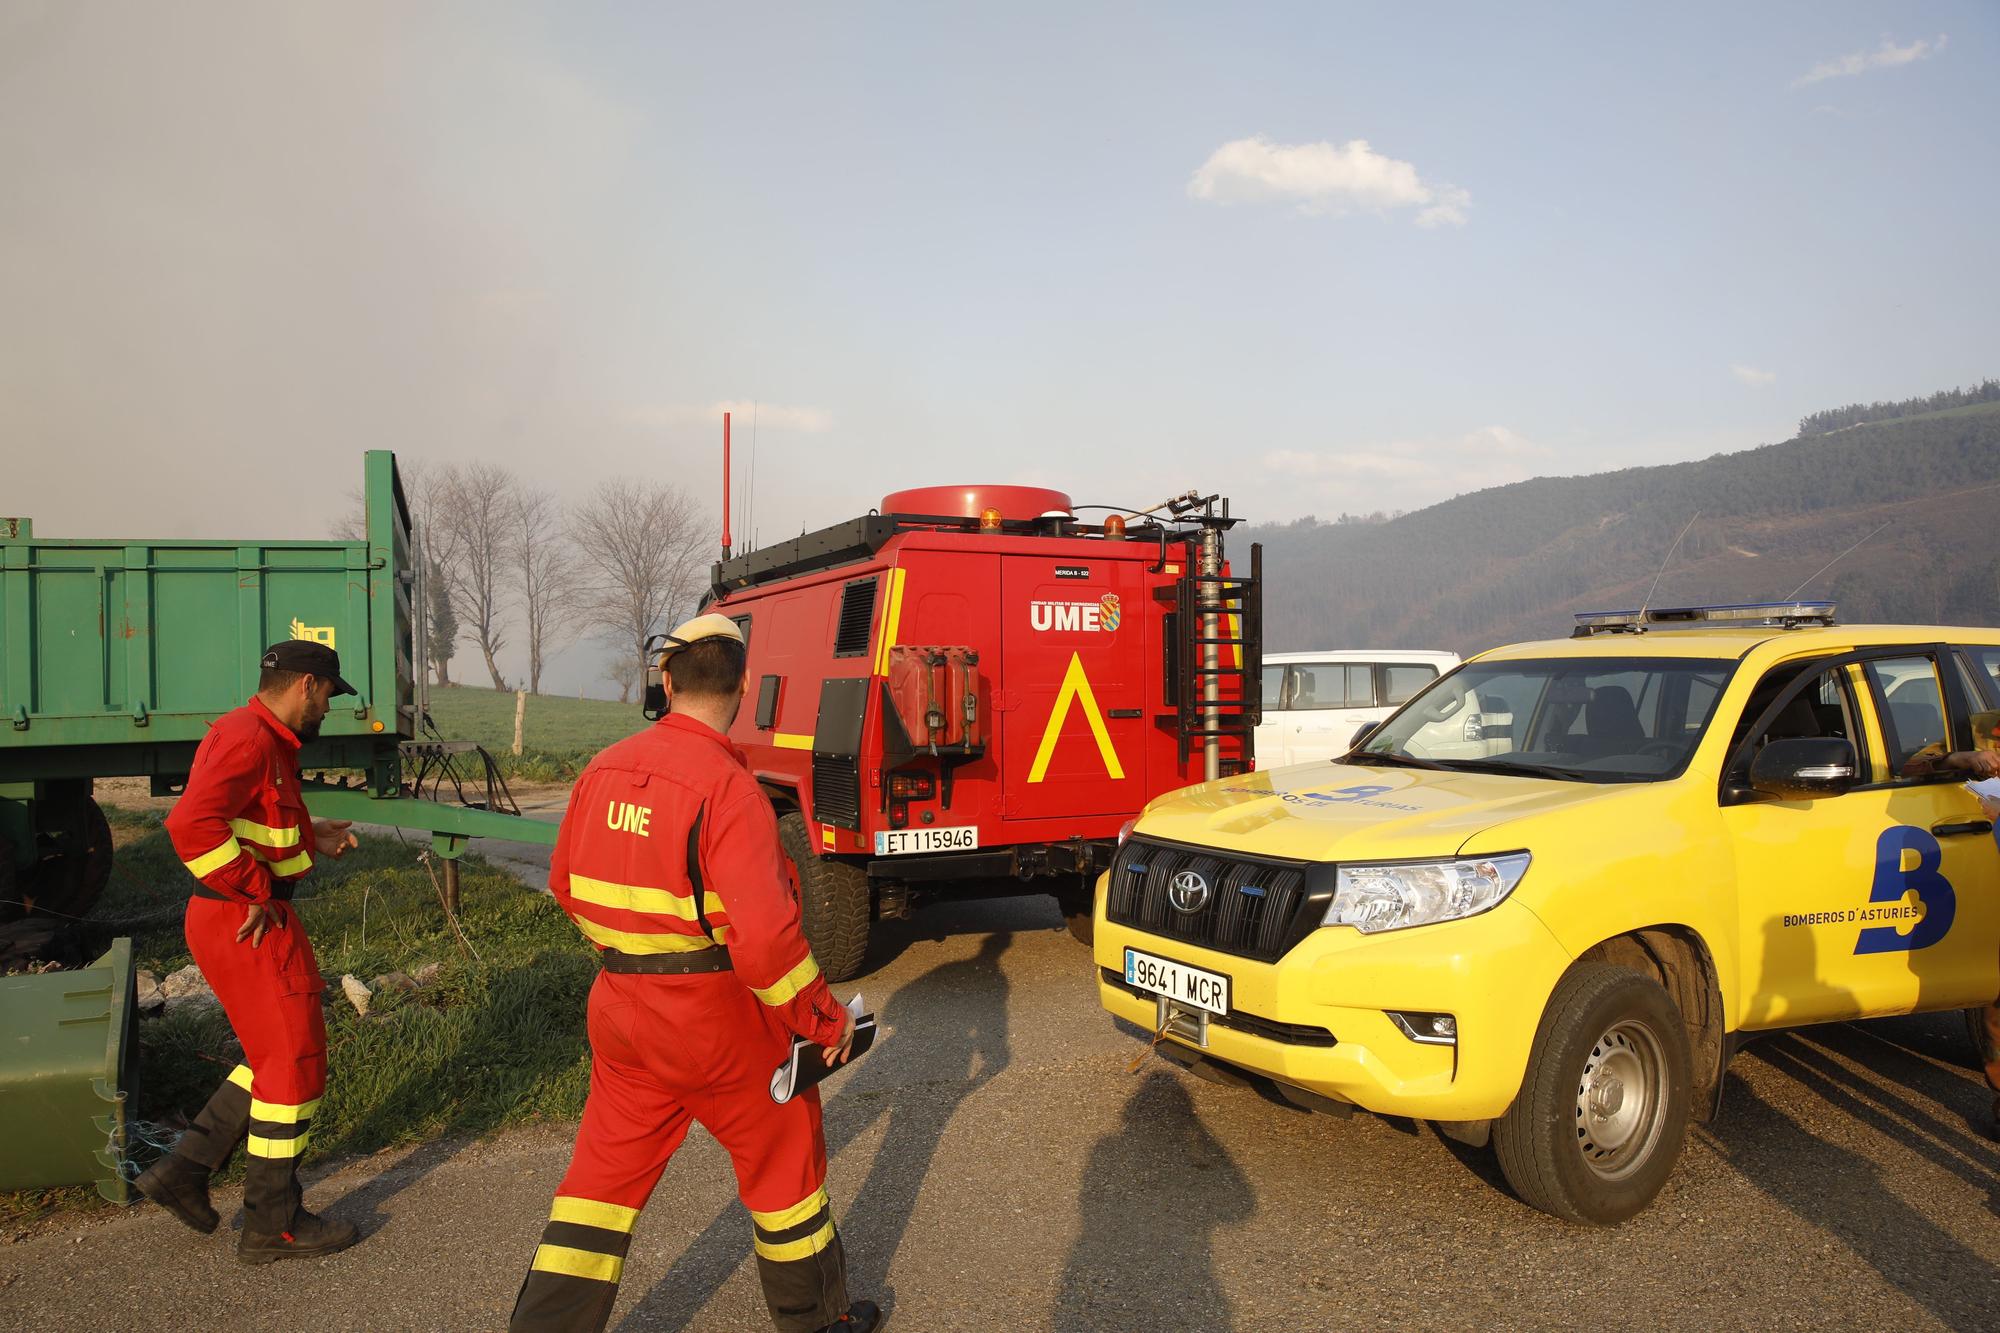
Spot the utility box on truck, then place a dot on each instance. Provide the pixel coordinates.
(970, 691)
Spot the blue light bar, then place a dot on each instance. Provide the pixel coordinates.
(1774, 615)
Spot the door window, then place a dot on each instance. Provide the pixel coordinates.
(1403, 681)
(1276, 700)
(1825, 708)
(1332, 685)
(1912, 709)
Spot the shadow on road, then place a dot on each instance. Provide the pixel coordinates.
(1846, 1194)
(1155, 1190)
(946, 1038)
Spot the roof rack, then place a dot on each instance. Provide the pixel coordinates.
(1749, 615)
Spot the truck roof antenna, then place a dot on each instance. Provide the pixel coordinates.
(1663, 569)
(1831, 563)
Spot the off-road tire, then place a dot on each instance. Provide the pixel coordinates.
(833, 898)
(1077, 906)
(1603, 1109)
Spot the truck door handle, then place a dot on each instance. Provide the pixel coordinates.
(1962, 826)
(1125, 712)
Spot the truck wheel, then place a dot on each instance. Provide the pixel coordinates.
(833, 898)
(1603, 1108)
(1076, 906)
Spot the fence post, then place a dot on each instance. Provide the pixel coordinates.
(520, 711)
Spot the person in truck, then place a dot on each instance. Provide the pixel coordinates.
(668, 862)
(242, 830)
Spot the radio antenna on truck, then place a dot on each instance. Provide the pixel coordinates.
(1663, 566)
(1831, 563)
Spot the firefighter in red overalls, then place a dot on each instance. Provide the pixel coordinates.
(242, 829)
(668, 861)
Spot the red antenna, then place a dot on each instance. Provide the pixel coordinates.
(725, 485)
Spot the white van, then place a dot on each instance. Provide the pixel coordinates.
(1315, 702)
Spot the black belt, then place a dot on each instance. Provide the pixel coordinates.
(281, 891)
(712, 959)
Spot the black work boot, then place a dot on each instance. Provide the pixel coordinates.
(181, 1187)
(861, 1317)
(308, 1237)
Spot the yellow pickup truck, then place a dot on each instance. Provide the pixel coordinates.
(1702, 823)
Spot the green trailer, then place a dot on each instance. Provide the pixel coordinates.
(116, 654)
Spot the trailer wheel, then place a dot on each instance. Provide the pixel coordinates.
(74, 840)
(833, 898)
(1603, 1109)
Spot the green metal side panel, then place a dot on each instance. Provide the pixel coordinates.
(136, 646)
(66, 1056)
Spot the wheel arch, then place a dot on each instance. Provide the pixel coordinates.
(1679, 959)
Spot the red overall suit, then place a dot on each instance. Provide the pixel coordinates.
(242, 829)
(668, 861)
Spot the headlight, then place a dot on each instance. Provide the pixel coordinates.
(1420, 893)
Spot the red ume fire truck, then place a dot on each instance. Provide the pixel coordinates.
(970, 691)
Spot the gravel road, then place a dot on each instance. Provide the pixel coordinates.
(994, 1165)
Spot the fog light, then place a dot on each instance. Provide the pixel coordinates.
(1426, 1029)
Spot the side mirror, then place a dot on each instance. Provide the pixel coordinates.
(1362, 733)
(1803, 769)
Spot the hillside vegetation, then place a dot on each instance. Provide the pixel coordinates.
(1515, 562)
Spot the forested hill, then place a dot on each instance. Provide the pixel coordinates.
(1516, 561)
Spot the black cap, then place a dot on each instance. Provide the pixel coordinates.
(307, 658)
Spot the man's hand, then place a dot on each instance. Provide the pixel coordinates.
(1990, 808)
(1979, 763)
(258, 918)
(836, 1055)
(331, 837)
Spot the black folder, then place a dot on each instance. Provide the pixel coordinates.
(806, 1065)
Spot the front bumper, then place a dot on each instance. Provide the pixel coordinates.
(1493, 973)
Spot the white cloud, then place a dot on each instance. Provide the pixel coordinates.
(1887, 56)
(1755, 378)
(744, 415)
(1325, 180)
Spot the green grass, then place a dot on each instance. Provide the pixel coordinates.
(558, 735)
(495, 1041)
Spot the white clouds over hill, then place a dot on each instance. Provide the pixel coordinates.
(1325, 180)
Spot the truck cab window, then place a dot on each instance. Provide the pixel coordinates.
(1911, 707)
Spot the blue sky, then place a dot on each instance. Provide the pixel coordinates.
(1120, 249)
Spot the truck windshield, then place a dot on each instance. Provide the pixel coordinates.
(1586, 719)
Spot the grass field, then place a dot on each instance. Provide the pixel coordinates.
(558, 735)
(496, 1040)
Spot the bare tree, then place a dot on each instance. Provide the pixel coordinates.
(624, 672)
(426, 486)
(478, 515)
(646, 544)
(548, 573)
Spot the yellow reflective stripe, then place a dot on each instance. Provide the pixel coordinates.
(790, 984)
(626, 942)
(295, 865)
(240, 1076)
(891, 622)
(786, 1218)
(572, 1262)
(259, 1146)
(209, 862)
(787, 740)
(1075, 688)
(264, 833)
(633, 898)
(591, 1213)
(282, 1113)
(796, 1249)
